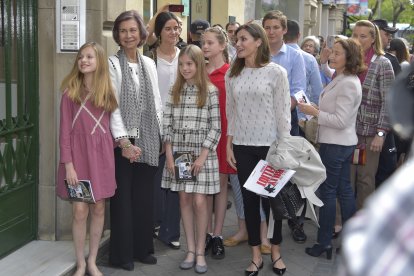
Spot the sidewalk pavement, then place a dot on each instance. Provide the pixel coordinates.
(237, 258)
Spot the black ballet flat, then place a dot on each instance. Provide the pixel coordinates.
(278, 271)
(254, 272)
(125, 266)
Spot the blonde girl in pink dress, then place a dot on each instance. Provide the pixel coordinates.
(86, 147)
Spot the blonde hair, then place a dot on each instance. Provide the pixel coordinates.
(102, 94)
(201, 79)
(222, 38)
(375, 34)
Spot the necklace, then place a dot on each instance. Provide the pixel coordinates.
(135, 60)
(86, 93)
(211, 68)
(169, 57)
(87, 89)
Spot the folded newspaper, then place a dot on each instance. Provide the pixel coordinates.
(267, 181)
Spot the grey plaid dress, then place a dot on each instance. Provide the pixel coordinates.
(189, 128)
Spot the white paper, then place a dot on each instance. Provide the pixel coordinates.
(267, 181)
(302, 98)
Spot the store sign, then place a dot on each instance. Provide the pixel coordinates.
(353, 7)
(357, 8)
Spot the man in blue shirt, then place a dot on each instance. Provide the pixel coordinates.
(275, 25)
(313, 77)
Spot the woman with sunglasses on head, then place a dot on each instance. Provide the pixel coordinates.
(372, 120)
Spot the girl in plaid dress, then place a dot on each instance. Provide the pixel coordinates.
(192, 123)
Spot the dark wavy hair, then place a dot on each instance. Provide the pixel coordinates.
(354, 56)
(127, 15)
(161, 19)
(263, 51)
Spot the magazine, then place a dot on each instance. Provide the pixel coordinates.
(302, 98)
(267, 181)
(183, 161)
(82, 192)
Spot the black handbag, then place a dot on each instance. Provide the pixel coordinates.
(287, 202)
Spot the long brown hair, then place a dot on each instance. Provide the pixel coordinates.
(102, 94)
(401, 51)
(263, 51)
(201, 79)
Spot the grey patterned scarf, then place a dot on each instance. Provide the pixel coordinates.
(138, 109)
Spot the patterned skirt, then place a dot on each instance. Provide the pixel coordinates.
(208, 181)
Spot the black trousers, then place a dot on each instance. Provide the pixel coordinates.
(247, 158)
(131, 211)
(388, 160)
(166, 208)
(294, 123)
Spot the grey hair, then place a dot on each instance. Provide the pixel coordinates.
(315, 40)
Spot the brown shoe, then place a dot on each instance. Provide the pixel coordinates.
(230, 242)
(265, 249)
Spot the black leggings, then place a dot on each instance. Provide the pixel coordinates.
(247, 158)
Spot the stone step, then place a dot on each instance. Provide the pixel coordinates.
(45, 258)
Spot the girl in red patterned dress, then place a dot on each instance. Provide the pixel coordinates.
(86, 146)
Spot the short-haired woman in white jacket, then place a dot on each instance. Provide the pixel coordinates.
(338, 108)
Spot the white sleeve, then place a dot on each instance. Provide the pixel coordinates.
(230, 106)
(282, 103)
(152, 70)
(116, 124)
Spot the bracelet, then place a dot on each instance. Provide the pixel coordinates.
(125, 146)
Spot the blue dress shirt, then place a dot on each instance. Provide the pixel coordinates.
(292, 61)
(313, 78)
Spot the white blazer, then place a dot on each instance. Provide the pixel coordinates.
(116, 124)
(338, 108)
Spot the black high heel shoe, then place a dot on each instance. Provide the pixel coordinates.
(318, 249)
(255, 272)
(335, 234)
(278, 271)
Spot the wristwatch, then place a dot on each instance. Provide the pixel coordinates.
(380, 133)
